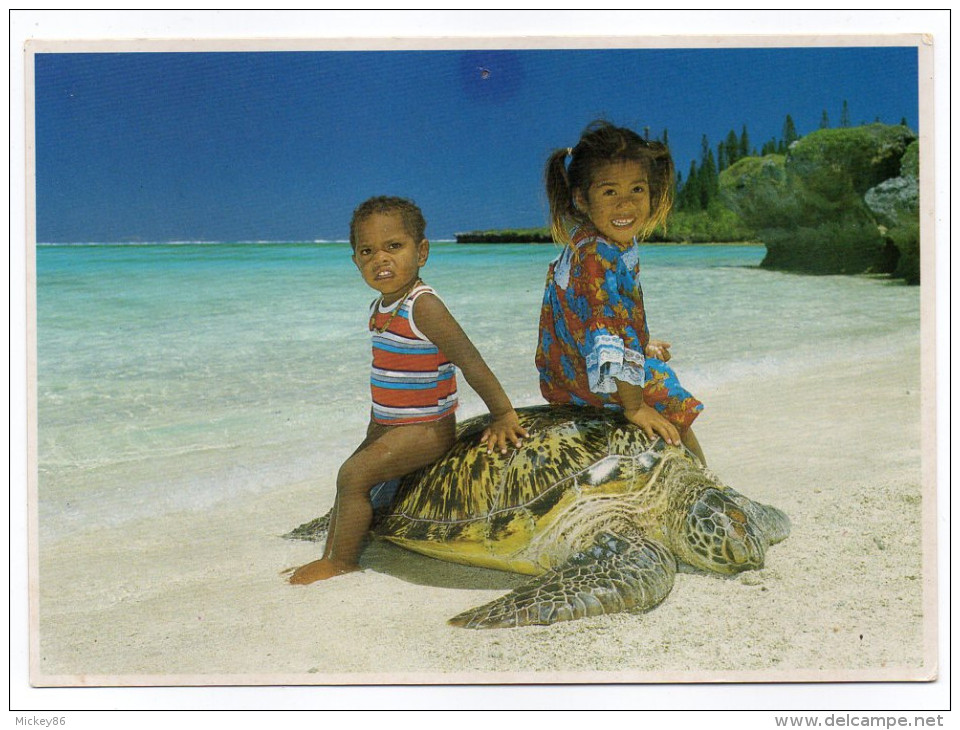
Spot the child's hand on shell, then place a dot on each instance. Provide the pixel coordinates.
(657, 349)
(503, 428)
(653, 424)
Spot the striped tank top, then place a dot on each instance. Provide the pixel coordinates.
(411, 380)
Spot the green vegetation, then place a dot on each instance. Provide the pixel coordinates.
(506, 235)
(715, 225)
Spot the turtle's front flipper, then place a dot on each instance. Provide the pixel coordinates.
(615, 574)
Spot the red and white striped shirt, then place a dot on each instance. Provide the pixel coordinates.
(411, 381)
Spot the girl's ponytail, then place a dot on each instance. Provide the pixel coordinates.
(559, 195)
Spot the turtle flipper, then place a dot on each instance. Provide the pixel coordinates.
(312, 531)
(615, 574)
(316, 530)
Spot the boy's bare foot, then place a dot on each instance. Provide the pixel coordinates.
(320, 570)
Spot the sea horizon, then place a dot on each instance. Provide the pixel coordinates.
(198, 243)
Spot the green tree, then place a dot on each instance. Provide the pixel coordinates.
(689, 196)
(732, 149)
(845, 115)
(824, 120)
(789, 131)
(709, 177)
(744, 143)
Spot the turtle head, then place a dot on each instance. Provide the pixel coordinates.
(718, 535)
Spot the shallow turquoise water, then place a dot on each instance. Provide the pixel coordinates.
(176, 376)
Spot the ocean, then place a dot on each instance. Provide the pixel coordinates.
(175, 377)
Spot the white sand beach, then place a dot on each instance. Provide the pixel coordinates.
(198, 598)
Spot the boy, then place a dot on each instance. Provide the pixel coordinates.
(413, 379)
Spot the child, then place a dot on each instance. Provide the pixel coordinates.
(413, 380)
(594, 347)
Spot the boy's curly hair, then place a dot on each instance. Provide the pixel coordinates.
(409, 212)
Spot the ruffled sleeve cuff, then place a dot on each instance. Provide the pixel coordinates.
(610, 361)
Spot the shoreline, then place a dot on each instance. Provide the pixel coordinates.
(188, 598)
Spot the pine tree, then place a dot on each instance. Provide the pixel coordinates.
(709, 179)
(824, 120)
(732, 148)
(845, 115)
(689, 198)
(789, 132)
(694, 183)
(744, 142)
(903, 122)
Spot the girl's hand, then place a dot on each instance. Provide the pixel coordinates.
(657, 349)
(503, 428)
(653, 424)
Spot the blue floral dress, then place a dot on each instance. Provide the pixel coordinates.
(593, 331)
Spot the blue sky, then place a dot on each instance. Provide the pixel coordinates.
(283, 146)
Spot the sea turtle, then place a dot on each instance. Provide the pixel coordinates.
(597, 511)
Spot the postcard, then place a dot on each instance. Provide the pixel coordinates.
(217, 227)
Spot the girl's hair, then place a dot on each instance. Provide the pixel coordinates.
(602, 143)
(409, 212)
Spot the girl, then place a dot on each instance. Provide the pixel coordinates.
(413, 380)
(594, 347)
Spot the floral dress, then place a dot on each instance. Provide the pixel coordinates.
(593, 331)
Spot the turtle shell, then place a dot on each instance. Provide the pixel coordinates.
(530, 509)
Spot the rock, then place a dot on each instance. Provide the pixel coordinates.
(810, 208)
(896, 204)
(861, 157)
(894, 201)
(752, 184)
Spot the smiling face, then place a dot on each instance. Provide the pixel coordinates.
(388, 257)
(617, 201)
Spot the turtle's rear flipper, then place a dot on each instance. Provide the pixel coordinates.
(316, 530)
(613, 575)
(313, 531)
